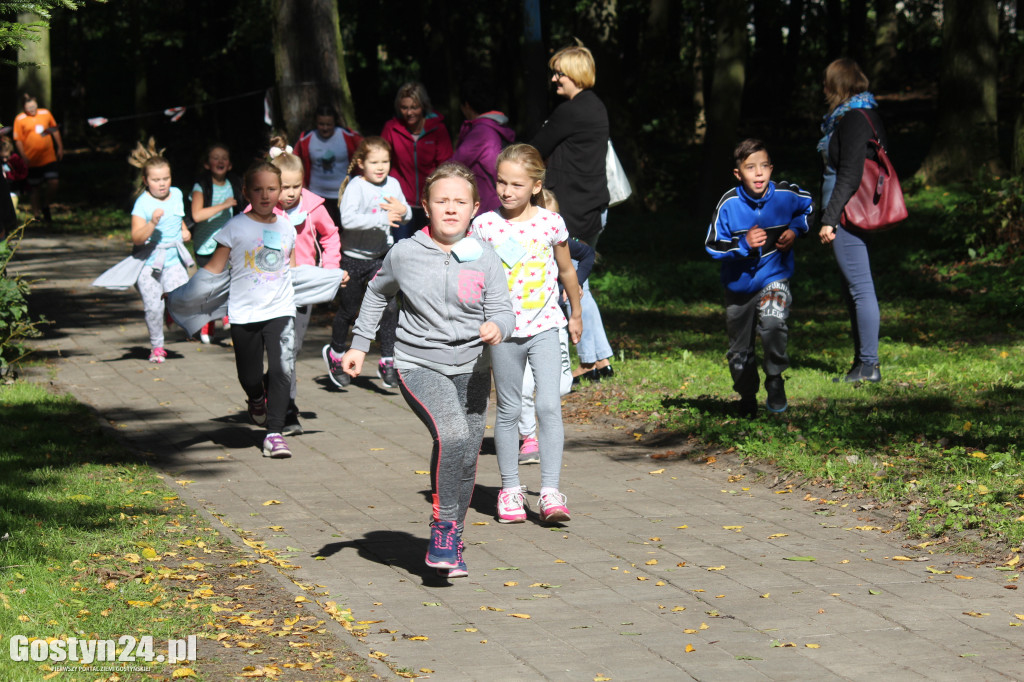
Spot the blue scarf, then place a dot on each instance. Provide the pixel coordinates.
(862, 100)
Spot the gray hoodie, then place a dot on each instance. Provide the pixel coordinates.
(444, 301)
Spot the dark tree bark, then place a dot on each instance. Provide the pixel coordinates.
(729, 76)
(794, 43)
(857, 24)
(966, 134)
(35, 79)
(882, 61)
(1017, 152)
(535, 63)
(835, 38)
(766, 78)
(310, 62)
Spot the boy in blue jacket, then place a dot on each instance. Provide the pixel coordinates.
(752, 233)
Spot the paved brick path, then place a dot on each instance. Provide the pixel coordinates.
(609, 595)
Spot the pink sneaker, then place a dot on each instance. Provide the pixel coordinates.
(511, 505)
(157, 355)
(226, 322)
(529, 451)
(553, 509)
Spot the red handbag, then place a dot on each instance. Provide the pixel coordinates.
(878, 202)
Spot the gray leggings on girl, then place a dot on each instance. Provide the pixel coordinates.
(508, 360)
(454, 410)
(152, 284)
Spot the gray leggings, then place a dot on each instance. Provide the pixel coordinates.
(454, 410)
(509, 360)
(152, 284)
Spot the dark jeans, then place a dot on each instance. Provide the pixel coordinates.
(851, 250)
(765, 314)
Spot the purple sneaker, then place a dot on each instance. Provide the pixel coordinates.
(443, 550)
(274, 446)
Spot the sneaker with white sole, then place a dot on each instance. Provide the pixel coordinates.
(157, 355)
(258, 410)
(274, 446)
(334, 371)
(553, 509)
(529, 451)
(511, 506)
(292, 427)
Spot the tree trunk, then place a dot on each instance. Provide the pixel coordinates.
(766, 77)
(794, 43)
(1017, 152)
(534, 81)
(857, 21)
(835, 40)
(966, 133)
(883, 56)
(35, 79)
(727, 82)
(700, 114)
(310, 63)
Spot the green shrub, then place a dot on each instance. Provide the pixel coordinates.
(16, 325)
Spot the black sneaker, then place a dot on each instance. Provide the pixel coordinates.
(292, 427)
(861, 372)
(338, 377)
(776, 387)
(258, 411)
(747, 406)
(387, 373)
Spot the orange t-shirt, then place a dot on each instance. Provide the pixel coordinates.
(31, 131)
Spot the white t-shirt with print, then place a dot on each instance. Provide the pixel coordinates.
(261, 276)
(533, 279)
(328, 164)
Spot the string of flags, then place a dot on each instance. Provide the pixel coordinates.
(175, 114)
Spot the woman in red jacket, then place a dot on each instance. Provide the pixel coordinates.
(419, 143)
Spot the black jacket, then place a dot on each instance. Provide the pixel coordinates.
(847, 149)
(574, 143)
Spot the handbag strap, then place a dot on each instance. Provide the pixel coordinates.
(873, 131)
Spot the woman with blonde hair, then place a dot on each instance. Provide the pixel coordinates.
(574, 143)
(851, 122)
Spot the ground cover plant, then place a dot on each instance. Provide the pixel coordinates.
(95, 545)
(938, 438)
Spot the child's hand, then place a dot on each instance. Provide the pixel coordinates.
(157, 215)
(785, 241)
(575, 328)
(395, 218)
(228, 203)
(756, 237)
(396, 210)
(490, 333)
(344, 277)
(352, 362)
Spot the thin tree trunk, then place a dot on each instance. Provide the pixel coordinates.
(534, 81)
(727, 83)
(857, 21)
(883, 56)
(700, 119)
(1017, 152)
(36, 79)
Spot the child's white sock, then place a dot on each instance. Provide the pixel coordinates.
(545, 491)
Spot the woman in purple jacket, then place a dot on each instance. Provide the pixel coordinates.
(484, 134)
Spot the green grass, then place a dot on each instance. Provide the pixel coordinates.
(88, 531)
(940, 435)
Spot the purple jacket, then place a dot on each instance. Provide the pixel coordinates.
(479, 143)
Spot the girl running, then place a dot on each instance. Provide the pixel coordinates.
(260, 247)
(158, 228)
(532, 244)
(216, 197)
(371, 207)
(454, 302)
(317, 243)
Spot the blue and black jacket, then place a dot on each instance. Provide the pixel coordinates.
(744, 270)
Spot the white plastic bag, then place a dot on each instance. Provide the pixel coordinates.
(618, 184)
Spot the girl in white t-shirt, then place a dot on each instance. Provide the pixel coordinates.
(260, 246)
(533, 245)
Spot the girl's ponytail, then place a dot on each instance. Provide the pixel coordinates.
(348, 175)
(546, 199)
(146, 157)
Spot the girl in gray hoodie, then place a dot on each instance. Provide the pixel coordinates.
(454, 303)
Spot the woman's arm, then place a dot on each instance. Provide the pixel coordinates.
(852, 134)
(554, 132)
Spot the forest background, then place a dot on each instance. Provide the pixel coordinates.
(684, 80)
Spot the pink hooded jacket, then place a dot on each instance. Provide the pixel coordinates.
(317, 241)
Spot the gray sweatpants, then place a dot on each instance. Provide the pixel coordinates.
(769, 308)
(454, 410)
(152, 284)
(508, 360)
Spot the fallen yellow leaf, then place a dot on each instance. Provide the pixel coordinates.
(735, 528)
(270, 502)
(964, 577)
(704, 626)
(652, 562)
(716, 568)
(421, 472)
(901, 558)
(602, 678)
(656, 471)
(683, 608)
(778, 535)
(682, 527)
(511, 583)
(975, 614)
(520, 615)
(813, 646)
(690, 631)
(766, 595)
(419, 638)
(690, 649)
(183, 672)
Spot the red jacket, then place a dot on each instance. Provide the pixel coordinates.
(317, 241)
(412, 160)
(352, 140)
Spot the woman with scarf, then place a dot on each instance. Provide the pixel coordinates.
(843, 148)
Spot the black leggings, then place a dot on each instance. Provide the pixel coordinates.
(277, 338)
(360, 272)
